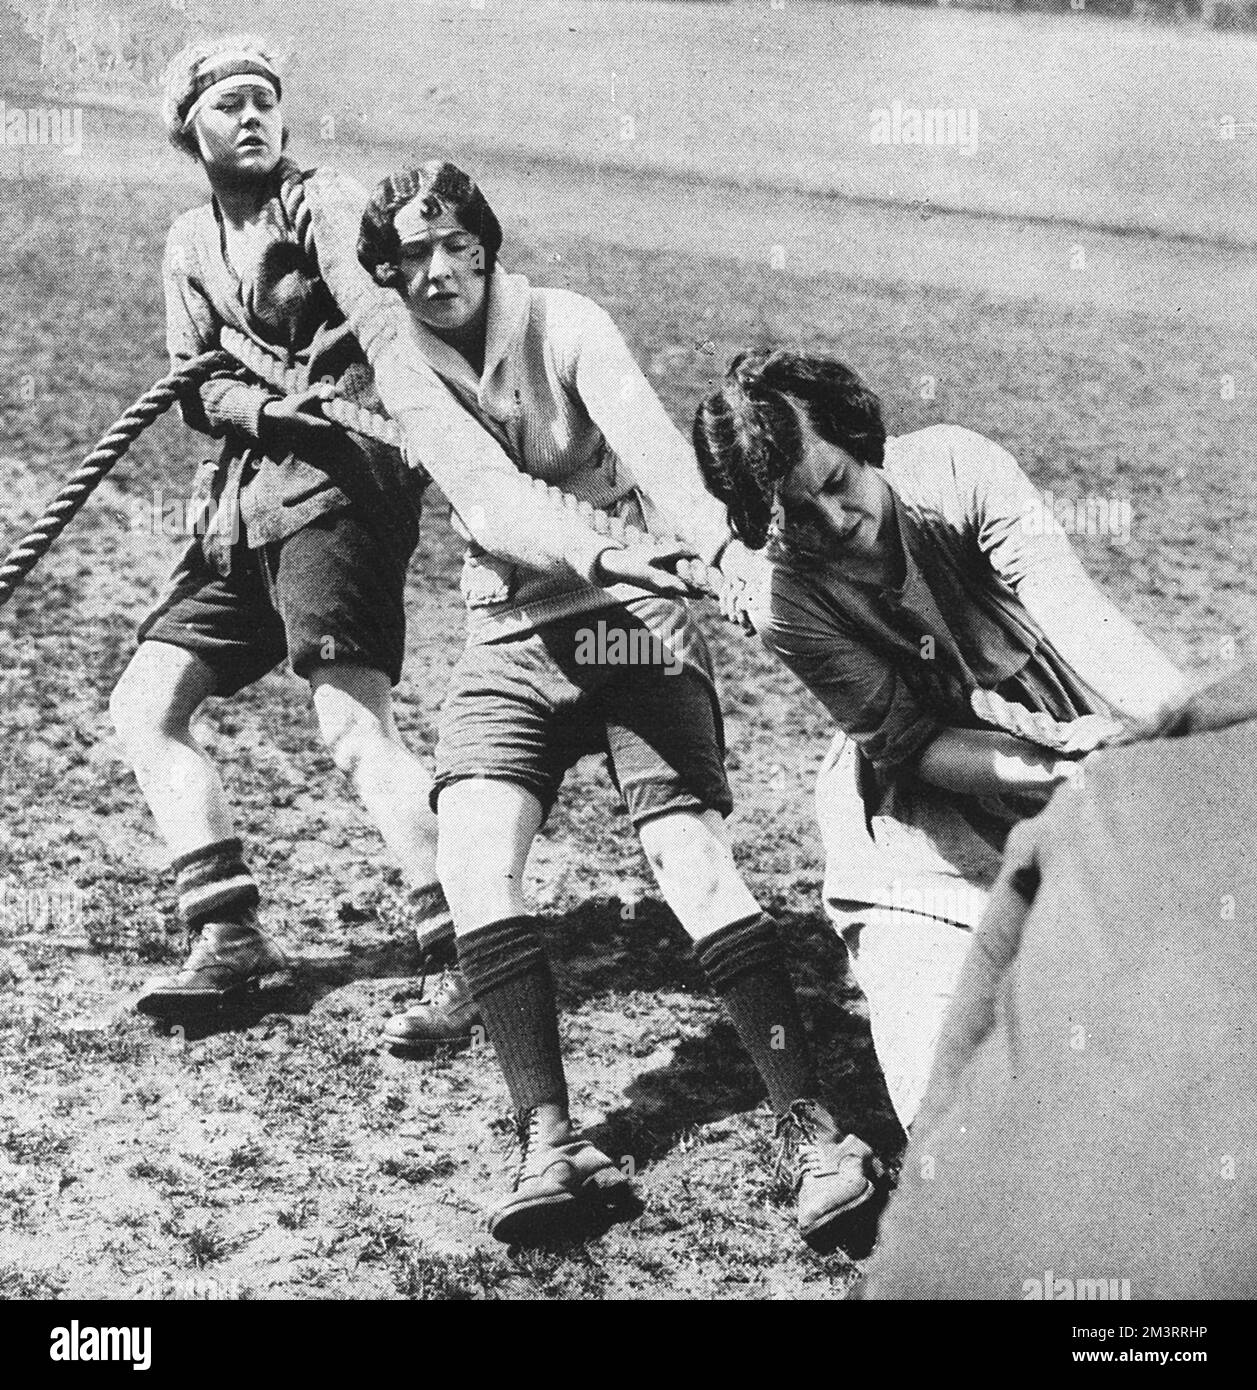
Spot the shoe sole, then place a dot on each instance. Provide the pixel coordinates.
(175, 1003)
(542, 1219)
(853, 1229)
(425, 1047)
(567, 1214)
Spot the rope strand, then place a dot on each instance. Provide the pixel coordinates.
(266, 367)
(66, 505)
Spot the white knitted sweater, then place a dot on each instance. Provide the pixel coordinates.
(564, 397)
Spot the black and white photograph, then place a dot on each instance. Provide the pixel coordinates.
(628, 660)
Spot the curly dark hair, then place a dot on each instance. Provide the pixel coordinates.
(747, 436)
(443, 186)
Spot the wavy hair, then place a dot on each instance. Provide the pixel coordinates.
(747, 435)
(443, 187)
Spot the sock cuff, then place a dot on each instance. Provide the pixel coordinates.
(215, 885)
(748, 944)
(231, 849)
(500, 953)
(427, 913)
(437, 940)
(428, 901)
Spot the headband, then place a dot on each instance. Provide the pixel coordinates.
(225, 73)
(412, 218)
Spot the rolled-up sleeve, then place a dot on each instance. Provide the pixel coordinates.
(866, 696)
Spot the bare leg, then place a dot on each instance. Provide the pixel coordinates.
(693, 865)
(152, 708)
(487, 829)
(354, 705)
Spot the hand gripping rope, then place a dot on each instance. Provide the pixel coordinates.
(1032, 726)
(66, 505)
(270, 370)
(22, 559)
(82, 482)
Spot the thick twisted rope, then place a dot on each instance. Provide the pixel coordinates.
(66, 505)
(288, 380)
(1032, 726)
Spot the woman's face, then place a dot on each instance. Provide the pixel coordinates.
(443, 272)
(838, 498)
(240, 132)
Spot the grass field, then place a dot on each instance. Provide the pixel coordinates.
(1078, 117)
(282, 1154)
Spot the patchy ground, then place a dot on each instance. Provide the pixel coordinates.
(282, 1154)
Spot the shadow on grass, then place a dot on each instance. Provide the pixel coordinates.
(300, 988)
(595, 952)
(710, 1077)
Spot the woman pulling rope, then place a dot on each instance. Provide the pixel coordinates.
(912, 594)
(568, 658)
(308, 533)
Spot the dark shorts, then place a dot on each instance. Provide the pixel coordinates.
(526, 709)
(332, 592)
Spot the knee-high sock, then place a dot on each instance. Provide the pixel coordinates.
(507, 971)
(746, 966)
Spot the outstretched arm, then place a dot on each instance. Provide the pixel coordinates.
(623, 404)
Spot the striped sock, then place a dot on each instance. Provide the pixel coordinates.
(429, 916)
(506, 970)
(746, 966)
(215, 885)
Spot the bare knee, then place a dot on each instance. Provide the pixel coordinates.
(485, 830)
(354, 708)
(481, 879)
(154, 701)
(683, 854)
(354, 737)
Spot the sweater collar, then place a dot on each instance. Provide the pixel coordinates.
(508, 317)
